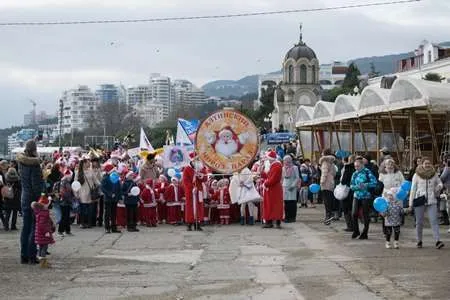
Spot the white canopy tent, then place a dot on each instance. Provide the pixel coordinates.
(406, 93)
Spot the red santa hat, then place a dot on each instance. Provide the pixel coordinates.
(68, 173)
(192, 155)
(108, 168)
(149, 182)
(271, 155)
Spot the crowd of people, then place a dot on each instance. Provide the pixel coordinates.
(114, 191)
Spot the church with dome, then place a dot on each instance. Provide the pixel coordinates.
(300, 84)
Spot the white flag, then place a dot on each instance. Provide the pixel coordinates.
(144, 143)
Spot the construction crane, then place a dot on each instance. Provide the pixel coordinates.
(34, 111)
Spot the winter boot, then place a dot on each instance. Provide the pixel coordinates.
(251, 221)
(444, 218)
(242, 221)
(44, 263)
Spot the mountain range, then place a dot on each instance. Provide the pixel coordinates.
(226, 88)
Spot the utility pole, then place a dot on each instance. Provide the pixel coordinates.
(61, 114)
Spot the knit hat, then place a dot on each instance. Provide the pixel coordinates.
(45, 201)
(12, 175)
(31, 148)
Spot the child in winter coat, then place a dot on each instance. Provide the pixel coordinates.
(131, 202)
(393, 218)
(174, 195)
(44, 228)
(112, 193)
(148, 213)
(66, 198)
(223, 196)
(160, 188)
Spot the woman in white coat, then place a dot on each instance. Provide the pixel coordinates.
(89, 181)
(426, 186)
(242, 191)
(390, 176)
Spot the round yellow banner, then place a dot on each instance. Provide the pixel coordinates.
(227, 141)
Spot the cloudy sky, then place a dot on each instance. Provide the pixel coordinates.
(40, 62)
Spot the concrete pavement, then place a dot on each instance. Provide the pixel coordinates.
(304, 260)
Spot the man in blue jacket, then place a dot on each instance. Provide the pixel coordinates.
(112, 194)
(362, 181)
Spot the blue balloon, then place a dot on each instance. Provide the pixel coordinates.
(178, 175)
(406, 186)
(402, 195)
(341, 154)
(114, 177)
(381, 205)
(314, 188)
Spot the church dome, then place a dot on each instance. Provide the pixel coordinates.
(300, 51)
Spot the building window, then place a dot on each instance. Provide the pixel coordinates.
(429, 56)
(313, 79)
(290, 78)
(302, 74)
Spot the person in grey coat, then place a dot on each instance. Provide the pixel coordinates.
(291, 179)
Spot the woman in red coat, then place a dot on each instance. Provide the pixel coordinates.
(273, 193)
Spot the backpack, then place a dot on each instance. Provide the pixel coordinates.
(378, 189)
(7, 192)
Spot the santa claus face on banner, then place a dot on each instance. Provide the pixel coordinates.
(227, 141)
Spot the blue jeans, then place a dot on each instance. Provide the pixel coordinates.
(27, 245)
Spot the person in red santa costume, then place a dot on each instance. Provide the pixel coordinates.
(224, 201)
(273, 192)
(174, 195)
(160, 188)
(213, 213)
(148, 204)
(194, 177)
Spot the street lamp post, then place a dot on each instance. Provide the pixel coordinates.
(61, 115)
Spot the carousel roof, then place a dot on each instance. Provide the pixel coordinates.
(405, 93)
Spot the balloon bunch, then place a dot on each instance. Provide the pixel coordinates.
(381, 205)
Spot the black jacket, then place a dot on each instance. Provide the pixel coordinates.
(348, 171)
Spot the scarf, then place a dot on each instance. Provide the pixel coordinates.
(425, 174)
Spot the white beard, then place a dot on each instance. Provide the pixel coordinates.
(267, 165)
(226, 149)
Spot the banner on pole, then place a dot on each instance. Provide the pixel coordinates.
(175, 156)
(144, 143)
(186, 131)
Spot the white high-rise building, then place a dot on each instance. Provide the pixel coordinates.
(138, 95)
(151, 113)
(78, 106)
(187, 94)
(161, 92)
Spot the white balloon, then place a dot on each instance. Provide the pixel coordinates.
(135, 191)
(171, 172)
(76, 186)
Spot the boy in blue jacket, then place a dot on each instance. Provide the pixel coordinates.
(362, 181)
(112, 193)
(131, 202)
